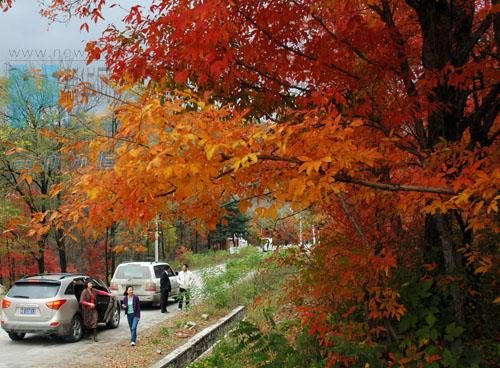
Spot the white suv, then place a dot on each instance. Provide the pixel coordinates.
(144, 277)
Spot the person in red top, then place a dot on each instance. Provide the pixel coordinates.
(89, 300)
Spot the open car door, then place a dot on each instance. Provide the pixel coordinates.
(103, 304)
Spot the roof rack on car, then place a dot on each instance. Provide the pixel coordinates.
(61, 275)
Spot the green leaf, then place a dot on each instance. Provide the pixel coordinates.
(423, 332)
(448, 359)
(433, 334)
(404, 324)
(426, 285)
(431, 319)
(453, 331)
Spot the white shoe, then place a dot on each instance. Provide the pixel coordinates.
(132, 343)
(179, 309)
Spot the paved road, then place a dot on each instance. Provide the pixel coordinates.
(42, 351)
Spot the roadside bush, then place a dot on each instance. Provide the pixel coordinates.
(225, 289)
(249, 346)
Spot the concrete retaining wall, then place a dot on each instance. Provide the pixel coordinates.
(201, 342)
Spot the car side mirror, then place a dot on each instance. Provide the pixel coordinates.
(176, 273)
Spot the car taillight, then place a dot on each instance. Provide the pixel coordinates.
(113, 286)
(6, 303)
(56, 304)
(150, 286)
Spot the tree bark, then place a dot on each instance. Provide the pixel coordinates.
(61, 248)
(40, 258)
(196, 238)
(106, 263)
(112, 234)
(447, 41)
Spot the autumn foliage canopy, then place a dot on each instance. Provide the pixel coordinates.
(380, 115)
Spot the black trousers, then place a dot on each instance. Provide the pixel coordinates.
(164, 300)
(183, 293)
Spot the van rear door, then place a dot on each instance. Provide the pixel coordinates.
(135, 275)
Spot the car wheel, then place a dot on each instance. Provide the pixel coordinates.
(14, 336)
(76, 330)
(114, 322)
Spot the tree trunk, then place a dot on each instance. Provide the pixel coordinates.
(40, 259)
(61, 249)
(439, 235)
(106, 263)
(112, 234)
(196, 236)
(113, 262)
(148, 243)
(446, 29)
(163, 240)
(181, 234)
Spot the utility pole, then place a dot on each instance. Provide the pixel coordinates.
(300, 229)
(157, 238)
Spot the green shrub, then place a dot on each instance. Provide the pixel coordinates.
(247, 345)
(225, 289)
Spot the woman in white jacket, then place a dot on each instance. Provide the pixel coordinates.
(185, 279)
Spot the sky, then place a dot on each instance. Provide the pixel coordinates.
(27, 37)
(28, 40)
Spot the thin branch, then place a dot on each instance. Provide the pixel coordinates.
(351, 218)
(291, 49)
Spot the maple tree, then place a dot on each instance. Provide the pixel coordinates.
(381, 115)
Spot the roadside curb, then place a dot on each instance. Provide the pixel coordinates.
(201, 342)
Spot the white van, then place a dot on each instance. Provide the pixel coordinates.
(144, 277)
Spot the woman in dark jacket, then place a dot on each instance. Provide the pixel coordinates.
(132, 307)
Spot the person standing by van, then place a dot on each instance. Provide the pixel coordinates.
(165, 288)
(185, 279)
(132, 306)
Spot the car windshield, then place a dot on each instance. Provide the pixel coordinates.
(33, 290)
(132, 272)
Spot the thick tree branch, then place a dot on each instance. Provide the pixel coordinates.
(465, 52)
(343, 178)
